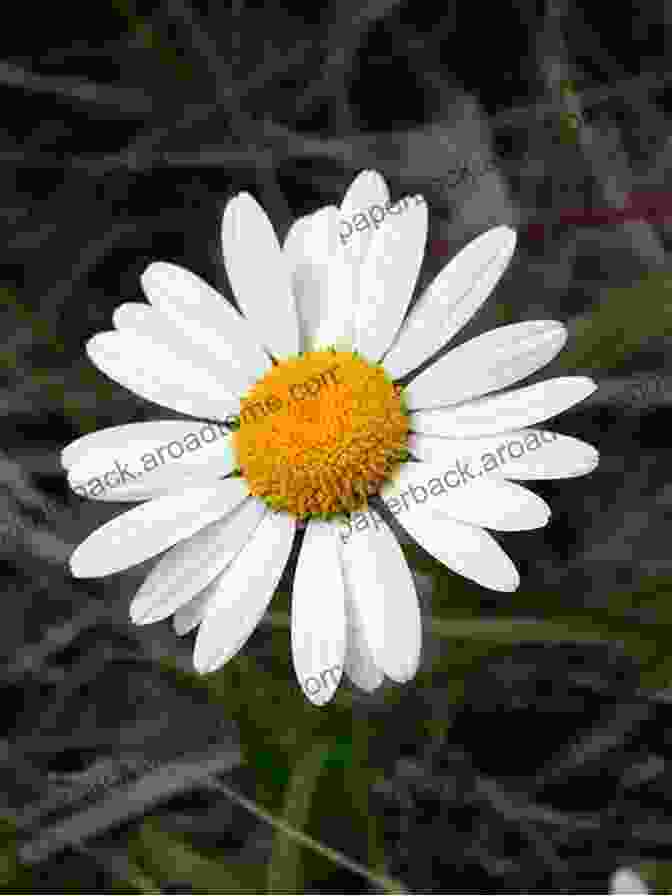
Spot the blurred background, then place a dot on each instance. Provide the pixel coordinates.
(531, 753)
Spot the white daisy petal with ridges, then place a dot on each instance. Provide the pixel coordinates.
(128, 460)
(129, 438)
(190, 615)
(154, 373)
(468, 550)
(318, 621)
(387, 279)
(381, 587)
(451, 299)
(150, 324)
(359, 663)
(259, 275)
(553, 456)
(209, 322)
(148, 529)
(366, 191)
(321, 280)
(306, 256)
(190, 566)
(244, 592)
(492, 503)
(507, 412)
(136, 316)
(293, 246)
(158, 482)
(487, 363)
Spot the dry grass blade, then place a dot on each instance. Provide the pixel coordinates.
(132, 801)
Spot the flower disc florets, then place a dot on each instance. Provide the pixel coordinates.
(320, 432)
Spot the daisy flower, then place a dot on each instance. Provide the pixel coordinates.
(300, 457)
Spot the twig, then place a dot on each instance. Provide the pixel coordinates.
(346, 35)
(608, 732)
(592, 96)
(128, 100)
(89, 257)
(241, 125)
(55, 638)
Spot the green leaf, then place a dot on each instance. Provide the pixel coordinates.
(515, 631)
(339, 755)
(14, 877)
(168, 857)
(137, 881)
(568, 128)
(284, 868)
(656, 875)
(620, 324)
(9, 863)
(269, 761)
(153, 40)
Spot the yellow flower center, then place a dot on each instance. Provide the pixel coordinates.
(321, 432)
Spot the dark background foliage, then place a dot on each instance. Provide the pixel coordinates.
(531, 752)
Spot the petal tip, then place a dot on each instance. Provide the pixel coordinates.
(76, 568)
(152, 272)
(405, 673)
(141, 615)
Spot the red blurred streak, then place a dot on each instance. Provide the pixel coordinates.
(640, 205)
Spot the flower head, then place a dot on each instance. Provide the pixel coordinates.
(310, 371)
(330, 443)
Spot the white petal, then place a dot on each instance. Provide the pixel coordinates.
(209, 322)
(367, 191)
(554, 457)
(321, 279)
(259, 275)
(146, 530)
(452, 299)
(130, 315)
(108, 442)
(492, 361)
(191, 615)
(504, 413)
(152, 372)
(108, 485)
(381, 587)
(318, 614)
(626, 881)
(388, 277)
(359, 663)
(190, 566)
(468, 550)
(243, 592)
(360, 667)
(144, 466)
(493, 503)
(152, 325)
(308, 277)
